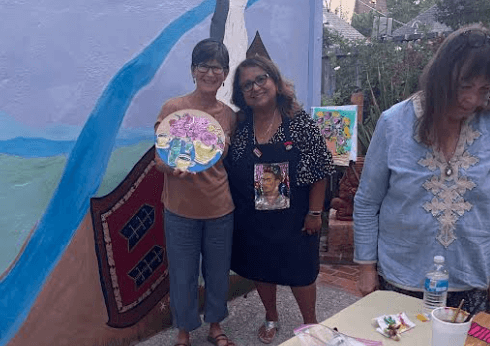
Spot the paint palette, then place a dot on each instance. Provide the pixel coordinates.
(190, 140)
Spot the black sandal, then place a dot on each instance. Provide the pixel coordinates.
(220, 337)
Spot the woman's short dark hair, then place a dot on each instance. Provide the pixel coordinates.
(455, 61)
(210, 49)
(286, 98)
(275, 170)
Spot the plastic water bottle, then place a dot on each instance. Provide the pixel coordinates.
(436, 285)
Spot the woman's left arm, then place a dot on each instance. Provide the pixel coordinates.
(316, 165)
(313, 220)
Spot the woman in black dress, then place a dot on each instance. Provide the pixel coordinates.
(276, 245)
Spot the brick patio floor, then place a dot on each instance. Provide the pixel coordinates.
(337, 268)
(343, 276)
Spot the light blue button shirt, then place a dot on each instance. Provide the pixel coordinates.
(412, 205)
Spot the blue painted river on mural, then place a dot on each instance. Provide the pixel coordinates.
(81, 176)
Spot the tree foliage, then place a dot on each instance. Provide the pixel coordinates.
(457, 13)
(406, 10)
(386, 72)
(363, 22)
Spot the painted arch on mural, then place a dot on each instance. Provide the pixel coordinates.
(81, 83)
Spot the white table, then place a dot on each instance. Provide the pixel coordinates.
(355, 320)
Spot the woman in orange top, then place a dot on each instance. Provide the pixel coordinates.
(199, 208)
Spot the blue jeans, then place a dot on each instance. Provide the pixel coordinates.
(188, 239)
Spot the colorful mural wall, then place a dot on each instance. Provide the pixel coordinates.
(81, 83)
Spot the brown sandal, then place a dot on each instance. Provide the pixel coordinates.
(268, 331)
(220, 337)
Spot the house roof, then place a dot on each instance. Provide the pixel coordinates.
(257, 47)
(333, 22)
(425, 19)
(366, 6)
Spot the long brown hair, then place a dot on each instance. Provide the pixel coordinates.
(455, 61)
(286, 97)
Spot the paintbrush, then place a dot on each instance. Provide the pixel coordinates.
(469, 317)
(455, 316)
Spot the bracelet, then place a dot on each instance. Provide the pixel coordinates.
(315, 212)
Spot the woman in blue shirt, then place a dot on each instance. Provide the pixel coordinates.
(425, 185)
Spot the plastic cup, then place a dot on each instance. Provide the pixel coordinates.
(445, 333)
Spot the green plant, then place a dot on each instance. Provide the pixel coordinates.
(335, 99)
(363, 22)
(405, 10)
(456, 13)
(386, 72)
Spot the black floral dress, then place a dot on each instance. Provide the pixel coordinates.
(268, 244)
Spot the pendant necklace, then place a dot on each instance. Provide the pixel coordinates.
(449, 169)
(256, 150)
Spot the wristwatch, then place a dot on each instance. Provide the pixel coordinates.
(315, 212)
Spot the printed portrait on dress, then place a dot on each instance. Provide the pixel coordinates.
(271, 186)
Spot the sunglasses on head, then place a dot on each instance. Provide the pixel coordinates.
(276, 170)
(475, 38)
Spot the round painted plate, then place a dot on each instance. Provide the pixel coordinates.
(190, 140)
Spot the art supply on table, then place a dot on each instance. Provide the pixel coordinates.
(422, 318)
(453, 319)
(479, 333)
(447, 333)
(392, 326)
(320, 335)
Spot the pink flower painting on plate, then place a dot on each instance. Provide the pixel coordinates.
(190, 140)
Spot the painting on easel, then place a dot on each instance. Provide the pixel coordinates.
(338, 125)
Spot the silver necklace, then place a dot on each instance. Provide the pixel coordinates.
(449, 169)
(269, 128)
